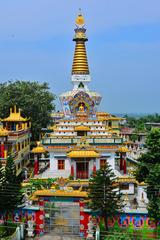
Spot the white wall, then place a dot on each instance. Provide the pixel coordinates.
(110, 159)
(54, 166)
(91, 163)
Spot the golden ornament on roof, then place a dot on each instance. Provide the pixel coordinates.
(80, 20)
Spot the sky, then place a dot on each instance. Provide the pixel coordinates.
(123, 48)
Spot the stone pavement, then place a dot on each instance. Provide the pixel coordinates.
(52, 237)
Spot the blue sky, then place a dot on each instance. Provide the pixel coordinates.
(123, 48)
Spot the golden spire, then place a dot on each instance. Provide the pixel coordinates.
(80, 63)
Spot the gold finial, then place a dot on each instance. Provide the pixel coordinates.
(15, 109)
(80, 63)
(80, 19)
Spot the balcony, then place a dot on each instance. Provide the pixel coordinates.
(48, 140)
(13, 135)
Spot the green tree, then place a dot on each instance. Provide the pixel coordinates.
(149, 171)
(104, 194)
(139, 122)
(11, 187)
(2, 192)
(33, 98)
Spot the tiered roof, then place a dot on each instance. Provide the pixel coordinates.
(15, 116)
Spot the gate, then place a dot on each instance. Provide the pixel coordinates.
(62, 218)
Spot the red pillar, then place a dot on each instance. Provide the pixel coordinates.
(72, 170)
(124, 166)
(83, 220)
(121, 161)
(94, 168)
(36, 165)
(2, 149)
(40, 218)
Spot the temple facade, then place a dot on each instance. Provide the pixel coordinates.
(81, 139)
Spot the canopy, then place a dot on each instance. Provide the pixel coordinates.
(83, 154)
(82, 128)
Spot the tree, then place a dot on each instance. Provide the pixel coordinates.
(33, 98)
(104, 195)
(139, 122)
(2, 192)
(153, 193)
(149, 171)
(12, 195)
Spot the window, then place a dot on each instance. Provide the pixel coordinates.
(102, 163)
(81, 133)
(124, 186)
(61, 164)
(109, 124)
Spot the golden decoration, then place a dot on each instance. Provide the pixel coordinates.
(15, 116)
(3, 132)
(80, 20)
(80, 62)
(61, 181)
(39, 148)
(83, 154)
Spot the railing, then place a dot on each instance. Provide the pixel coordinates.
(136, 154)
(16, 134)
(67, 141)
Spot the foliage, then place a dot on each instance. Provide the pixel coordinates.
(2, 179)
(104, 194)
(7, 232)
(39, 184)
(128, 233)
(139, 122)
(2, 190)
(134, 137)
(71, 177)
(149, 171)
(33, 98)
(10, 194)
